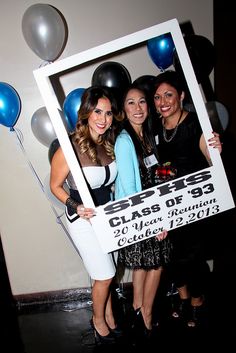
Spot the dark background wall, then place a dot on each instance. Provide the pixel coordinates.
(225, 78)
(224, 42)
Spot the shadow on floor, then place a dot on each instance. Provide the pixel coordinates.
(66, 329)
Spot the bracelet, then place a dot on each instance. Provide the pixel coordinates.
(71, 203)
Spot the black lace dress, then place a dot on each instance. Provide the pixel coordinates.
(150, 253)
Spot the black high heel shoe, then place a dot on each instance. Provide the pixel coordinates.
(99, 339)
(182, 310)
(134, 316)
(198, 316)
(139, 325)
(117, 331)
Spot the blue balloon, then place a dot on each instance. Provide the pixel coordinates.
(71, 106)
(10, 105)
(161, 50)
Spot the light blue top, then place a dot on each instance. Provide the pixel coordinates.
(128, 180)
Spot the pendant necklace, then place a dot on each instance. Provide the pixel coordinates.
(174, 132)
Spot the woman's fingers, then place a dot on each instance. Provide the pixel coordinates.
(215, 141)
(161, 236)
(85, 212)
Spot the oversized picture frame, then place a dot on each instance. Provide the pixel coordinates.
(167, 206)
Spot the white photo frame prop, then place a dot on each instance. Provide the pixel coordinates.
(167, 206)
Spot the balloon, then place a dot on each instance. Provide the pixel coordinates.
(42, 128)
(111, 74)
(145, 82)
(114, 75)
(218, 114)
(10, 105)
(44, 31)
(71, 106)
(47, 190)
(161, 50)
(65, 121)
(52, 149)
(202, 55)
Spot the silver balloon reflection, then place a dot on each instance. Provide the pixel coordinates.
(218, 113)
(44, 31)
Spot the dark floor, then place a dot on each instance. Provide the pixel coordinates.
(64, 328)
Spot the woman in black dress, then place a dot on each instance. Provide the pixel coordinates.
(183, 146)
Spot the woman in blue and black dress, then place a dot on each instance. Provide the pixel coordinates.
(137, 162)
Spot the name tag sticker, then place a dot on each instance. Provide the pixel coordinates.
(157, 139)
(150, 161)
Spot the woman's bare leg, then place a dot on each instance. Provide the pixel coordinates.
(138, 287)
(100, 297)
(109, 314)
(151, 284)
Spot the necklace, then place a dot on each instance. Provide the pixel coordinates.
(174, 132)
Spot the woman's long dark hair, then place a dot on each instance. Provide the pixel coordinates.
(148, 136)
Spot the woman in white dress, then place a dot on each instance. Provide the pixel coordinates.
(93, 141)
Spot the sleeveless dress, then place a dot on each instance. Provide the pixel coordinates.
(183, 150)
(189, 242)
(100, 178)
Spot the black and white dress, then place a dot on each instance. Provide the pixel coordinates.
(99, 177)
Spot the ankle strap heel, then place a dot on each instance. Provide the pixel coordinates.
(182, 309)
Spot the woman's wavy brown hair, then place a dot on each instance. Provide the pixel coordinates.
(82, 136)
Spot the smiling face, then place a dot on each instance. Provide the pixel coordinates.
(136, 107)
(167, 100)
(100, 118)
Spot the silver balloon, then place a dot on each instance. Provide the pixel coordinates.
(44, 31)
(218, 115)
(42, 127)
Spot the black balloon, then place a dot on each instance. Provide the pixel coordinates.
(145, 82)
(52, 149)
(114, 75)
(202, 55)
(111, 74)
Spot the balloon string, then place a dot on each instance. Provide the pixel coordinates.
(58, 217)
(27, 159)
(44, 63)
